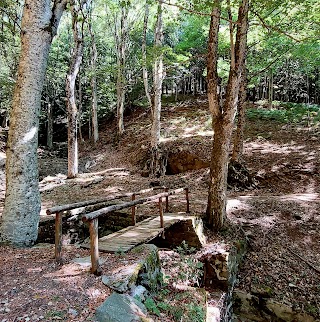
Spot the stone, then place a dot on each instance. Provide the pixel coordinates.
(245, 305)
(73, 312)
(145, 271)
(282, 311)
(139, 292)
(43, 245)
(221, 264)
(86, 261)
(182, 161)
(121, 308)
(189, 231)
(123, 279)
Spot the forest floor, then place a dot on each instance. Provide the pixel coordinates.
(281, 216)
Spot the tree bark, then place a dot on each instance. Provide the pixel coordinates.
(20, 216)
(212, 61)
(50, 122)
(270, 93)
(94, 105)
(144, 56)
(77, 29)
(156, 168)
(223, 123)
(121, 37)
(238, 141)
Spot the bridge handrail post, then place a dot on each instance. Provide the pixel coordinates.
(161, 213)
(94, 247)
(188, 200)
(133, 211)
(58, 237)
(167, 200)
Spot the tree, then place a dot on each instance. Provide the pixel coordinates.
(144, 56)
(223, 113)
(20, 216)
(78, 20)
(155, 167)
(94, 103)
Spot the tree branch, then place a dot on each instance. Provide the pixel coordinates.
(269, 27)
(205, 14)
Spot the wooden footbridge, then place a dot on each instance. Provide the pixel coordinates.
(144, 231)
(127, 238)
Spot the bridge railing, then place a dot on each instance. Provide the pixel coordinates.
(92, 218)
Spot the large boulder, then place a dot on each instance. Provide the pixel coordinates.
(121, 308)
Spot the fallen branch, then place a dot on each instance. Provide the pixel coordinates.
(304, 260)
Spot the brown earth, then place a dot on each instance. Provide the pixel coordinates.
(280, 217)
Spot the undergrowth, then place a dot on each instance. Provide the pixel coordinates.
(287, 113)
(180, 304)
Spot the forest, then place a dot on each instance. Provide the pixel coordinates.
(168, 147)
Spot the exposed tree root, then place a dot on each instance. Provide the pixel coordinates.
(239, 176)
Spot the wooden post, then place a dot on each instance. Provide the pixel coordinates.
(161, 213)
(93, 228)
(133, 211)
(58, 236)
(167, 201)
(188, 202)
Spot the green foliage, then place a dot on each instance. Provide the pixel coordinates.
(152, 306)
(190, 269)
(287, 113)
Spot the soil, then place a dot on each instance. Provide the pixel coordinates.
(280, 215)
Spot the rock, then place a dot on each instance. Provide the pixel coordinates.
(43, 245)
(146, 270)
(221, 266)
(86, 261)
(189, 231)
(73, 312)
(286, 313)
(246, 305)
(183, 161)
(123, 279)
(121, 308)
(282, 311)
(139, 292)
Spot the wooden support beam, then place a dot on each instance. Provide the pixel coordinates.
(94, 250)
(58, 237)
(133, 211)
(161, 213)
(188, 201)
(167, 201)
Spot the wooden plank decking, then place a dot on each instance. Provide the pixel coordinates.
(127, 238)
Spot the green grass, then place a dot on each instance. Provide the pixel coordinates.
(287, 113)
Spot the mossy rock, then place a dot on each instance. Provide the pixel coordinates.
(145, 271)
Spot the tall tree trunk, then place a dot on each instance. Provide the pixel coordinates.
(270, 93)
(238, 141)
(80, 106)
(94, 105)
(121, 38)
(77, 28)
(157, 80)
(212, 61)
(156, 168)
(144, 56)
(22, 206)
(50, 122)
(223, 123)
